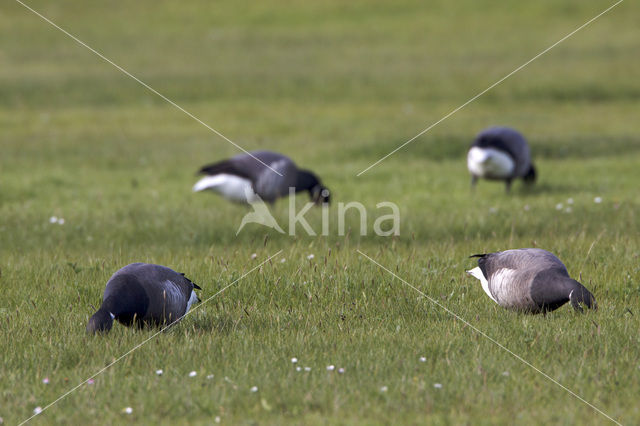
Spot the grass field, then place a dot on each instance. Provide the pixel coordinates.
(336, 86)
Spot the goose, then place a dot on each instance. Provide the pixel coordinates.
(143, 294)
(530, 280)
(500, 153)
(244, 179)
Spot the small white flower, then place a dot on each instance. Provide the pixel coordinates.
(307, 369)
(527, 207)
(209, 376)
(127, 410)
(559, 206)
(493, 210)
(568, 210)
(570, 201)
(159, 372)
(294, 360)
(331, 367)
(423, 359)
(597, 200)
(45, 380)
(217, 419)
(437, 385)
(61, 221)
(53, 219)
(193, 374)
(283, 260)
(341, 370)
(298, 368)
(505, 373)
(37, 410)
(384, 389)
(311, 256)
(254, 389)
(254, 255)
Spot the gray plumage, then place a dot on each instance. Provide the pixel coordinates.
(500, 153)
(531, 280)
(259, 169)
(143, 294)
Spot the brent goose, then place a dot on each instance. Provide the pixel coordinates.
(244, 179)
(500, 153)
(531, 280)
(142, 293)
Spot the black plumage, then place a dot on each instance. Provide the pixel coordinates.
(144, 294)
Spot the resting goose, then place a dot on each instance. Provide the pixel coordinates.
(500, 153)
(531, 280)
(143, 294)
(244, 179)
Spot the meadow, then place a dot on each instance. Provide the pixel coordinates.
(336, 86)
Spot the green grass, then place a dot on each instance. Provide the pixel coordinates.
(336, 86)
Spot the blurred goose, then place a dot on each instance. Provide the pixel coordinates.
(531, 280)
(500, 153)
(142, 293)
(243, 179)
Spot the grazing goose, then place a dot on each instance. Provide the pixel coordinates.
(500, 153)
(243, 179)
(142, 293)
(531, 280)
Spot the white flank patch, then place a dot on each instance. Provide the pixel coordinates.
(477, 273)
(489, 163)
(231, 187)
(502, 284)
(172, 293)
(192, 299)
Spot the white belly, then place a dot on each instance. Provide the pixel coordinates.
(231, 187)
(489, 163)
